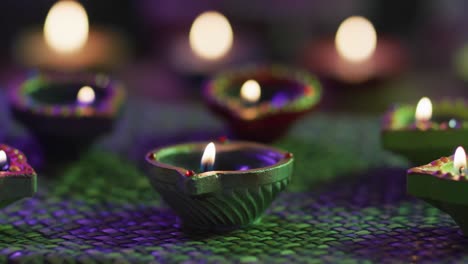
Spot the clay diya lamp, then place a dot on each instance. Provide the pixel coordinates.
(421, 135)
(210, 45)
(230, 188)
(261, 103)
(356, 64)
(356, 55)
(70, 45)
(443, 183)
(18, 178)
(67, 112)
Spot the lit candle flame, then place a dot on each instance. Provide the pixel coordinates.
(86, 95)
(211, 35)
(251, 91)
(66, 27)
(3, 161)
(459, 160)
(356, 39)
(424, 110)
(208, 157)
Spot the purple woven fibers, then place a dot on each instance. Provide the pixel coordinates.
(347, 203)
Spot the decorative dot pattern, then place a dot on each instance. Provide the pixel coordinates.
(108, 107)
(216, 90)
(437, 168)
(18, 163)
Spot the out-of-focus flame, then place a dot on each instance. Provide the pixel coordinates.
(424, 110)
(208, 157)
(251, 91)
(211, 35)
(459, 159)
(86, 95)
(66, 27)
(356, 39)
(3, 161)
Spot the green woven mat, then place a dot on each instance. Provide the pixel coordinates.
(346, 204)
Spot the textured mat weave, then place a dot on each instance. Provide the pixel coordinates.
(347, 203)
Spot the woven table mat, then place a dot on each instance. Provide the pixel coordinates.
(347, 202)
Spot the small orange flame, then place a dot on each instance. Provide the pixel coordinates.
(3, 158)
(208, 157)
(459, 159)
(66, 27)
(356, 39)
(424, 110)
(211, 35)
(86, 95)
(251, 91)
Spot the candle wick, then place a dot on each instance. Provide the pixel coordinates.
(206, 167)
(461, 170)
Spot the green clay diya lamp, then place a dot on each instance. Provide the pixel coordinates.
(420, 135)
(230, 188)
(444, 184)
(18, 179)
(67, 112)
(261, 103)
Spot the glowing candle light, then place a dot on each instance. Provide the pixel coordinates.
(211, 35)
(423, 110)
(459, 160)
(66, 27)
(208, 157)
(4, 161)
(250, 91)
(356, 39)
(86, 95)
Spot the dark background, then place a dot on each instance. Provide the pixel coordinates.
(347, 202)
(432, 31)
